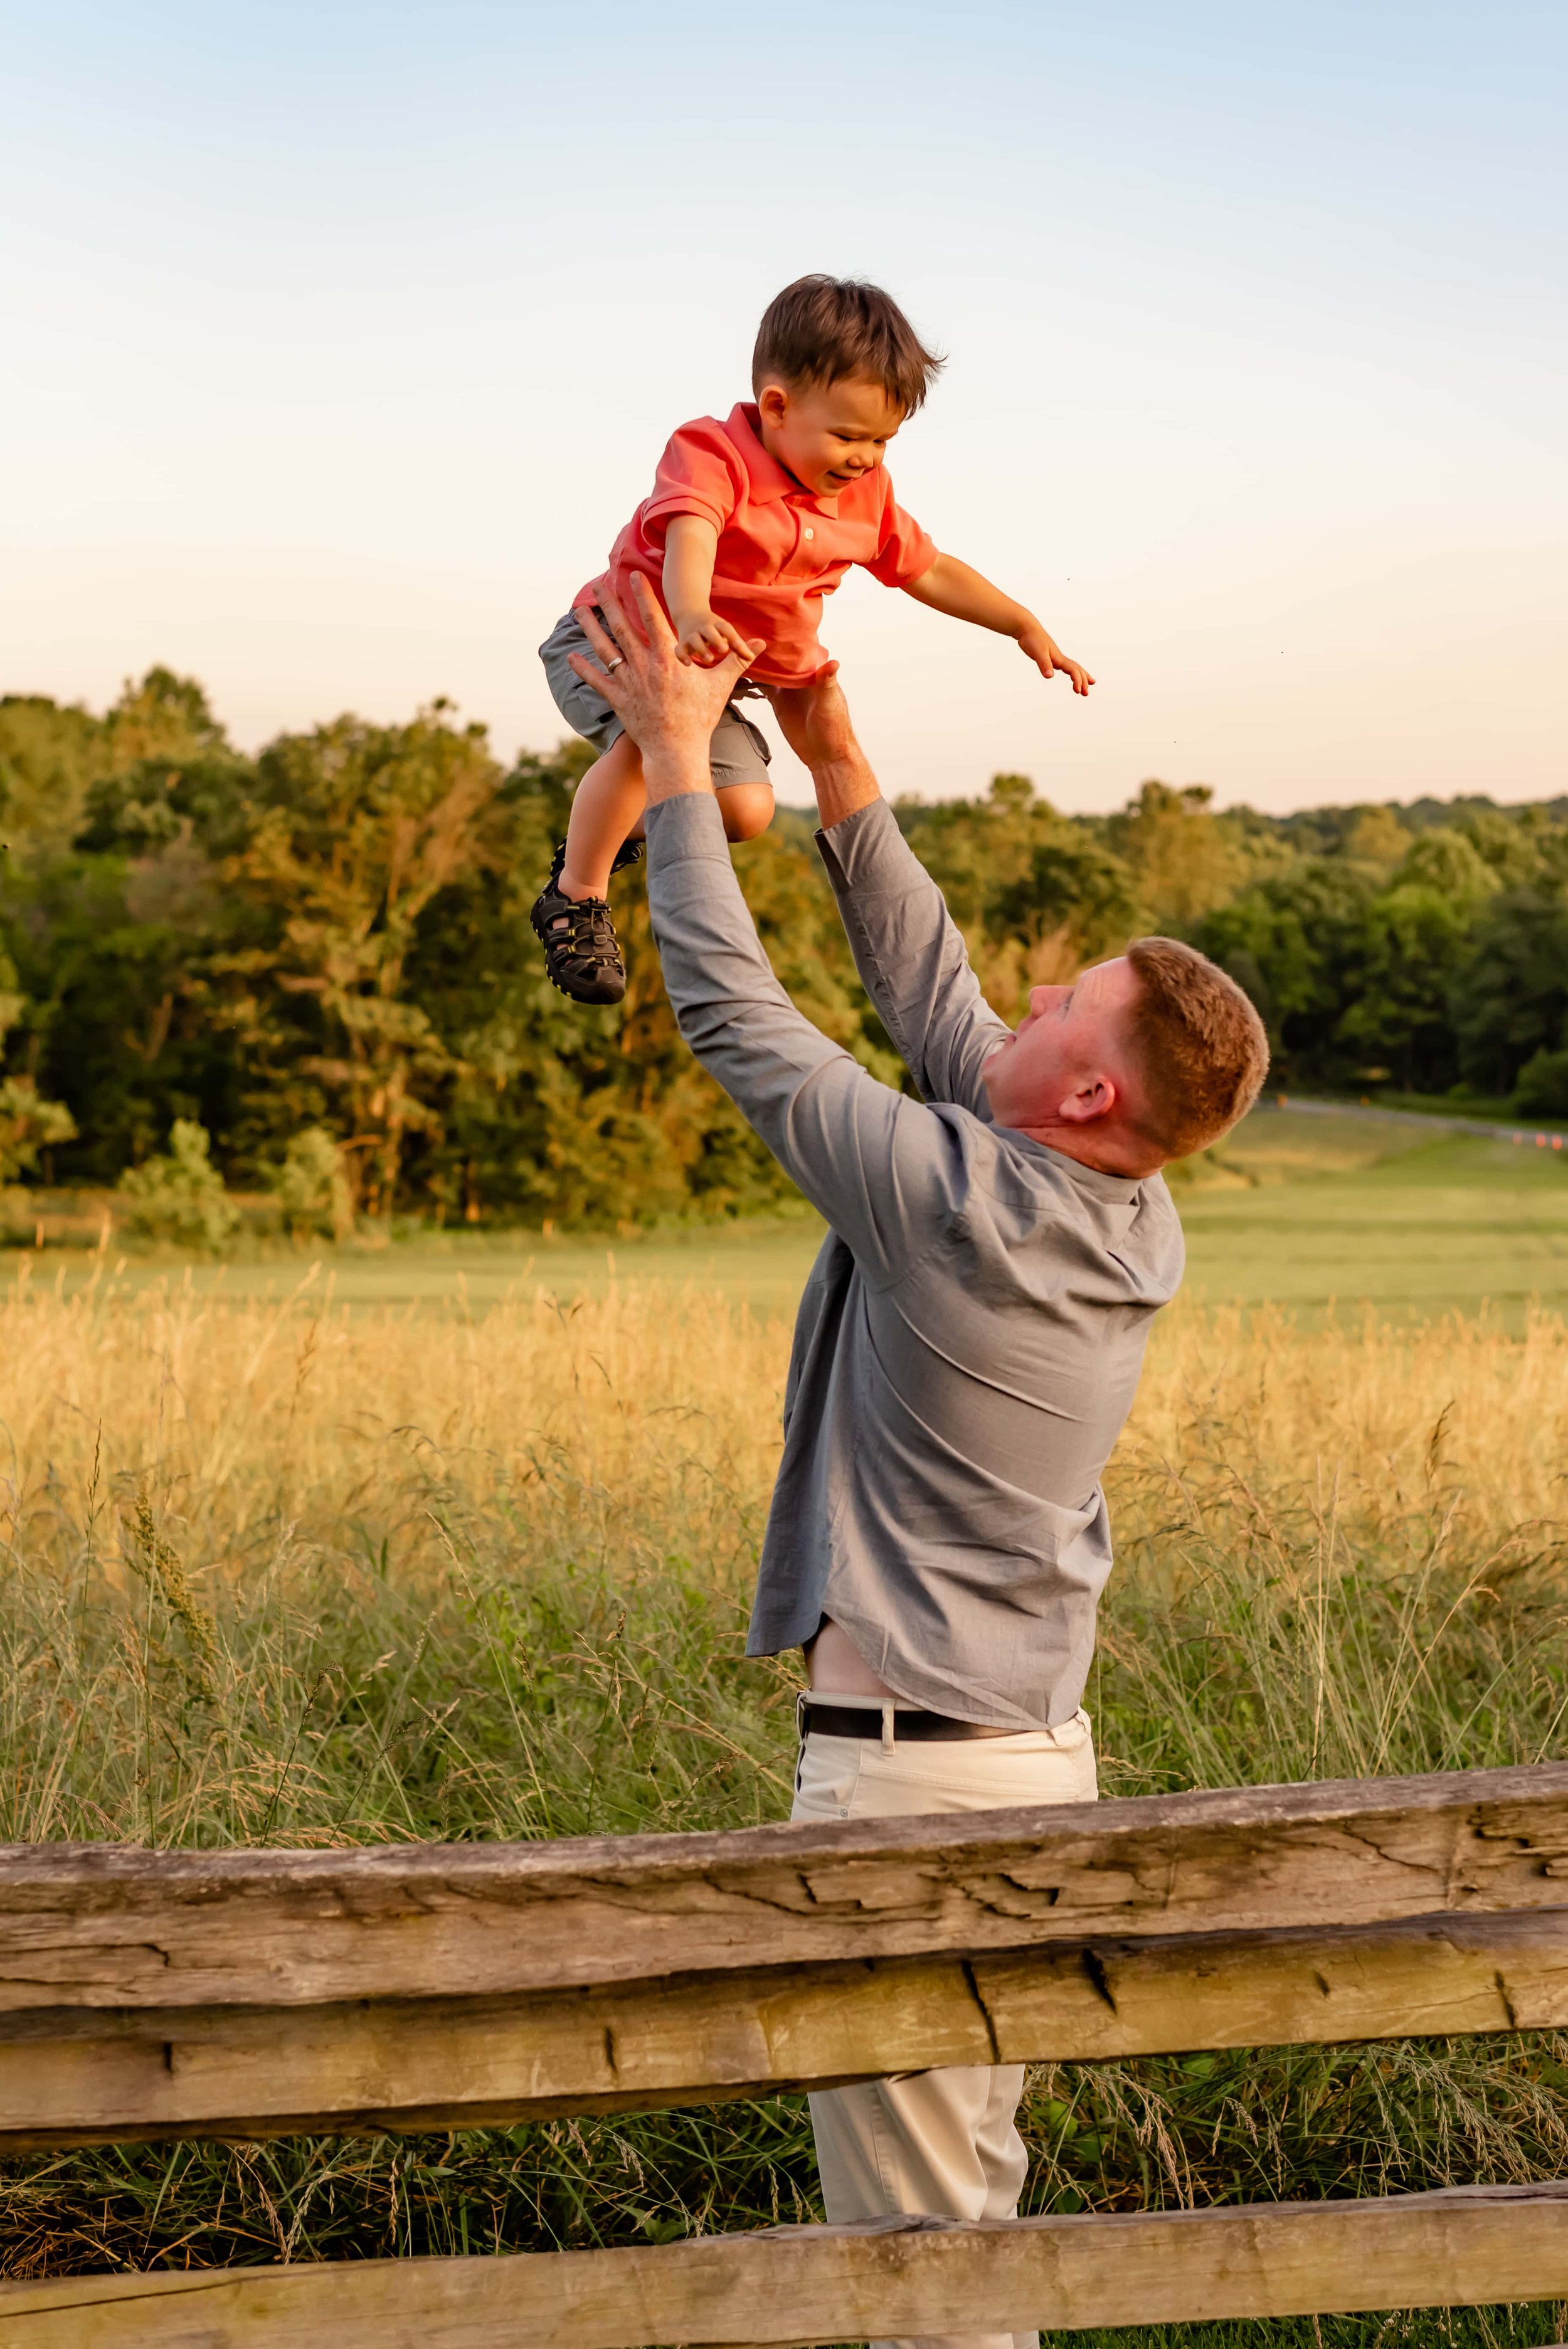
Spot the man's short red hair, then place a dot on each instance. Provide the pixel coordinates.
(1200, 1046)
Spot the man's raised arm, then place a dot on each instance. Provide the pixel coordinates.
(880, 1167)
(908, 950)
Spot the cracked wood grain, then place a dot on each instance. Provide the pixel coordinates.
(110, 1925)
(88, 2075)
(794, 2285)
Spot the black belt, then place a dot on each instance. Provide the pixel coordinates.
(850, 1721)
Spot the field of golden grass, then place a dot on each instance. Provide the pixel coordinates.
(648, 1418)
(277, 1571)
(241, 1491)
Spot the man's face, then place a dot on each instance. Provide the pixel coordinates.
(1068, 1060)
(827, 435)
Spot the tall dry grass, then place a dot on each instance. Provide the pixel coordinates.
(287, 1573)
(290, 1572)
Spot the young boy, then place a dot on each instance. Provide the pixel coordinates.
(751, 523)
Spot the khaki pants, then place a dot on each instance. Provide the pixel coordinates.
(941, 2143)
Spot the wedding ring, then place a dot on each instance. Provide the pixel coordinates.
(619, 662)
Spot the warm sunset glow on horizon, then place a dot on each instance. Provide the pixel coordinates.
(341, 341)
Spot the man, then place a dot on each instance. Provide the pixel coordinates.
(968, 1344)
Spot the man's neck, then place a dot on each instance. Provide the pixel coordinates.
(1107, 1153)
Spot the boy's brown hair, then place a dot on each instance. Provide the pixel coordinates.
(822, 330)
(1201, 1046)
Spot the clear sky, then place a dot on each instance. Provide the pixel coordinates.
(340, 340)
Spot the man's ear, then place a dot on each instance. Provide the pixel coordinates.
(1095, 1099)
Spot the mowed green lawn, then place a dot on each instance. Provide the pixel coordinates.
(763, 1261)
(1317, 1213)
(1314, 1212)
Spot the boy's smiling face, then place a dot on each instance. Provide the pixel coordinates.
(827, 435)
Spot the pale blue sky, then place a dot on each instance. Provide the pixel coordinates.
(340, 340)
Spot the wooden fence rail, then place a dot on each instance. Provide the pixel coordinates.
(157, 1995)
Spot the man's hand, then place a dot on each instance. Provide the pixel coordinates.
(815, 722)
(705, 638)
(669, 707)
(1048, 656)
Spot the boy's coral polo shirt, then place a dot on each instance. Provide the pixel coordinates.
(780, 548)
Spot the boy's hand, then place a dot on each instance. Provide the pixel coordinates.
(705, 640)
(952, 586)
(1048, 656)
(669, 714)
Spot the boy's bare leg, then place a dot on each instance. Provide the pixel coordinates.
(606, 811)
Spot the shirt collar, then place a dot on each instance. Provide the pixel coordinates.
(1115, 1190)
(767, 476)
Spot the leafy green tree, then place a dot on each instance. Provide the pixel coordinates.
(1450, 864)
(1542, 1087)
(1291, 940)
(559, 1112)
(1075, 890)
(355, 829)
(52, 756)
(310, 1186)
(28, 1127)
(114, 942)
(178, 1196)
(162, 717)
(1037, 895)
(1185, 861)
(1376, 839)
(1414, 945)
(1402, 972)
(109, 906)
(1509, 1003)
(320, 957)
(1522, 850)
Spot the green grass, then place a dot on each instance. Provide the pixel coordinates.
(1318, 1214)
(536, 1634)
(445, 1630)
(565, 1699)
(761, 1262)
(1420, 1225)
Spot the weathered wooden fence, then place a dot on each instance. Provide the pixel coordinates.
(157, 1996)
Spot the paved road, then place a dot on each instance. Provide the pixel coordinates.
(1303, 1105)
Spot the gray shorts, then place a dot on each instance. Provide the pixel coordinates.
(738, 752)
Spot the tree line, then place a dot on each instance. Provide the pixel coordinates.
(311, 967)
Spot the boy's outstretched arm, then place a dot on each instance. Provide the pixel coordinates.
(952, 586)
